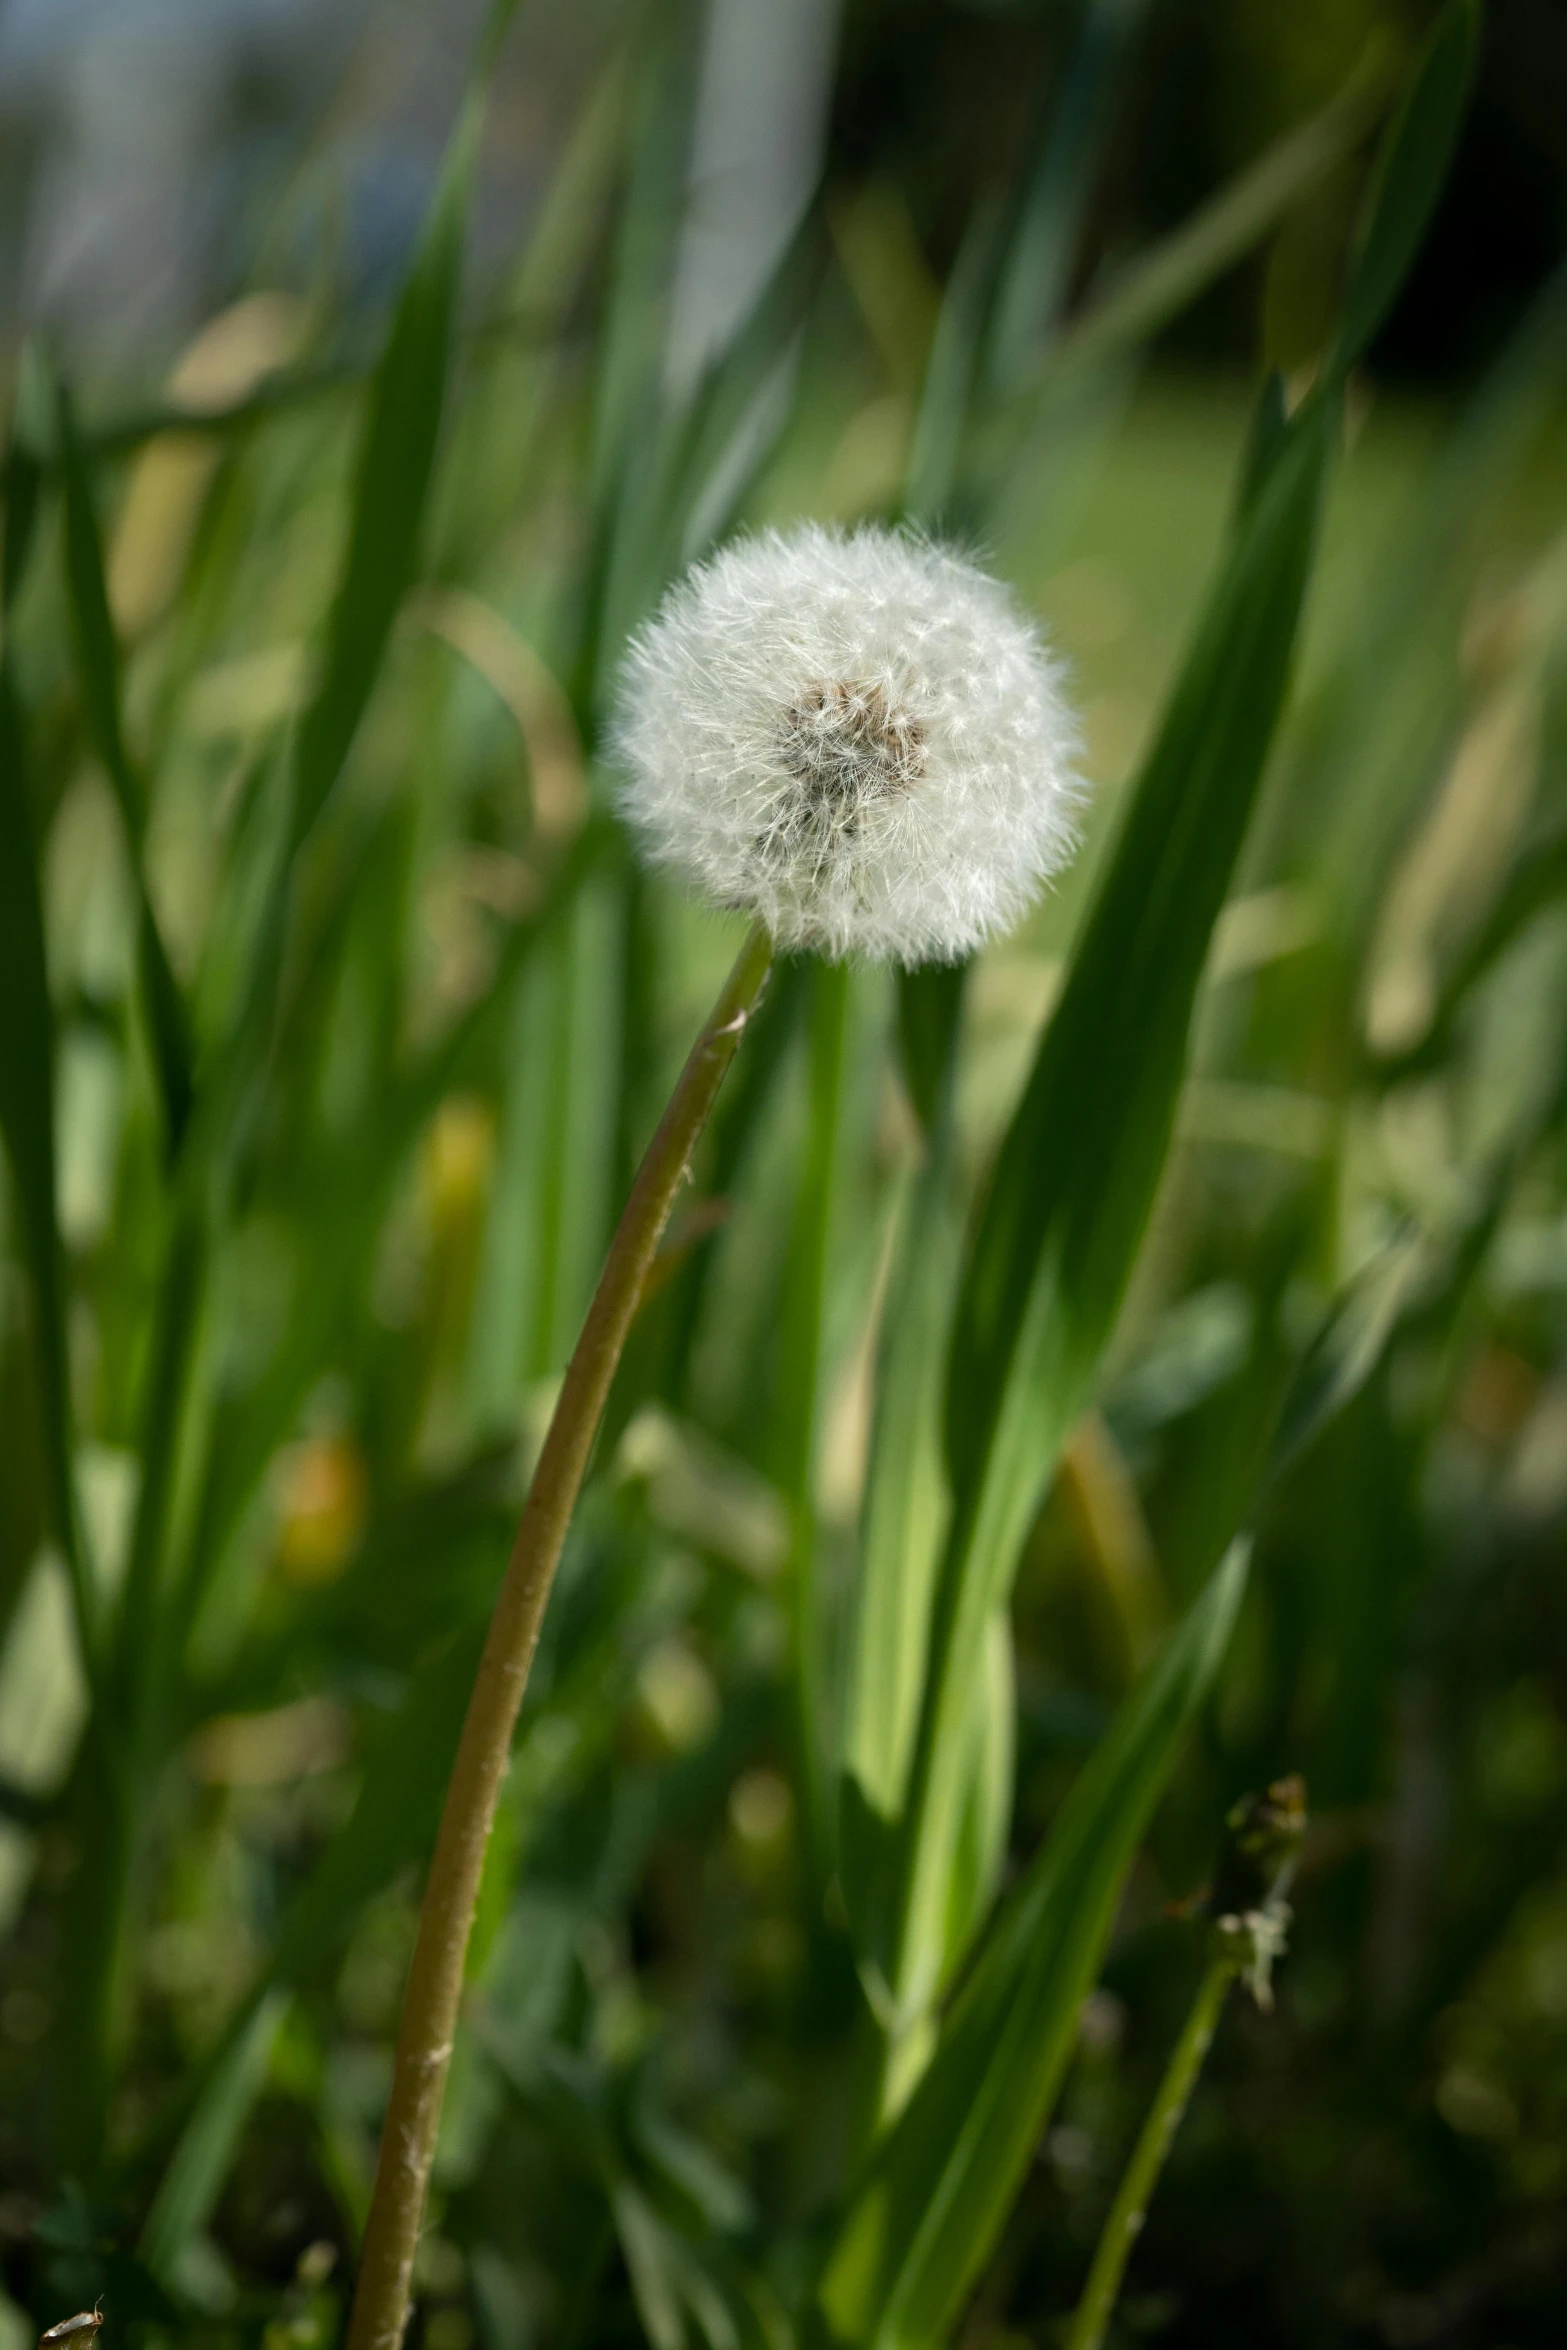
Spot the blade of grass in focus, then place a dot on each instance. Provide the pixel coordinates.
(904, 1508)
(799, 1374)
(1075, 1178)
(937, 2188)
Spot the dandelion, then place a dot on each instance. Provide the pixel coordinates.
(860, 741)
(857, 738)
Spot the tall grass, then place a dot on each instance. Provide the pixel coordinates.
(905, 1638)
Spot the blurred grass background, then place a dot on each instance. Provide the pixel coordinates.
(475, 1009)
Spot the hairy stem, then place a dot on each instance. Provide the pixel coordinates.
(430, 2002)
(1130, 2207)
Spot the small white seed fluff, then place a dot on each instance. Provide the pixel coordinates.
(856, 736)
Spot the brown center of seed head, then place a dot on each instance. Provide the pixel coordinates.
(848, 744)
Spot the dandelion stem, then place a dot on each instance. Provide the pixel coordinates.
(1130, 2207)
(434, 1990)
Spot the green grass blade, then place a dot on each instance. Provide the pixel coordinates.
(23, 487)
(800, 1337)
(905, 1507)
(139, 1650)
(939, 2186)
(984, 1812)
(632, 333)
(1266, 441)
(930, 1010)
(27, 1065)
(701, 454)
(396, 465)
(1077, 1172)
(799, 1373)
(936, 445)
(629, 463)
(742, 402)
(194, 2179)
(98, 658)
(345, 1212)
(27, 1122)
(392, 1823)
(905, 1503)
(658, 1359)
(573, 1089)
(1409, 176)
(98, 651)
(1344, 1352)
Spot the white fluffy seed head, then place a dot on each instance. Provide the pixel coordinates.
(857, 737)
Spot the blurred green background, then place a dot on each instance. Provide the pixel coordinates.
(717, 259)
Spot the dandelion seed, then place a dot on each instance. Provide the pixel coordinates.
(858, 738)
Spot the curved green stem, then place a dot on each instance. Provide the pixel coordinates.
(1130, 2207)
(430, 2002)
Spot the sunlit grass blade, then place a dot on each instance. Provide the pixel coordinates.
(904, 1508)
(1077, 1172)
(799, 1373)
(937, 2189)
(984, 1810)
(99, 660)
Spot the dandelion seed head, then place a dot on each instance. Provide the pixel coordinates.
(856, 736)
